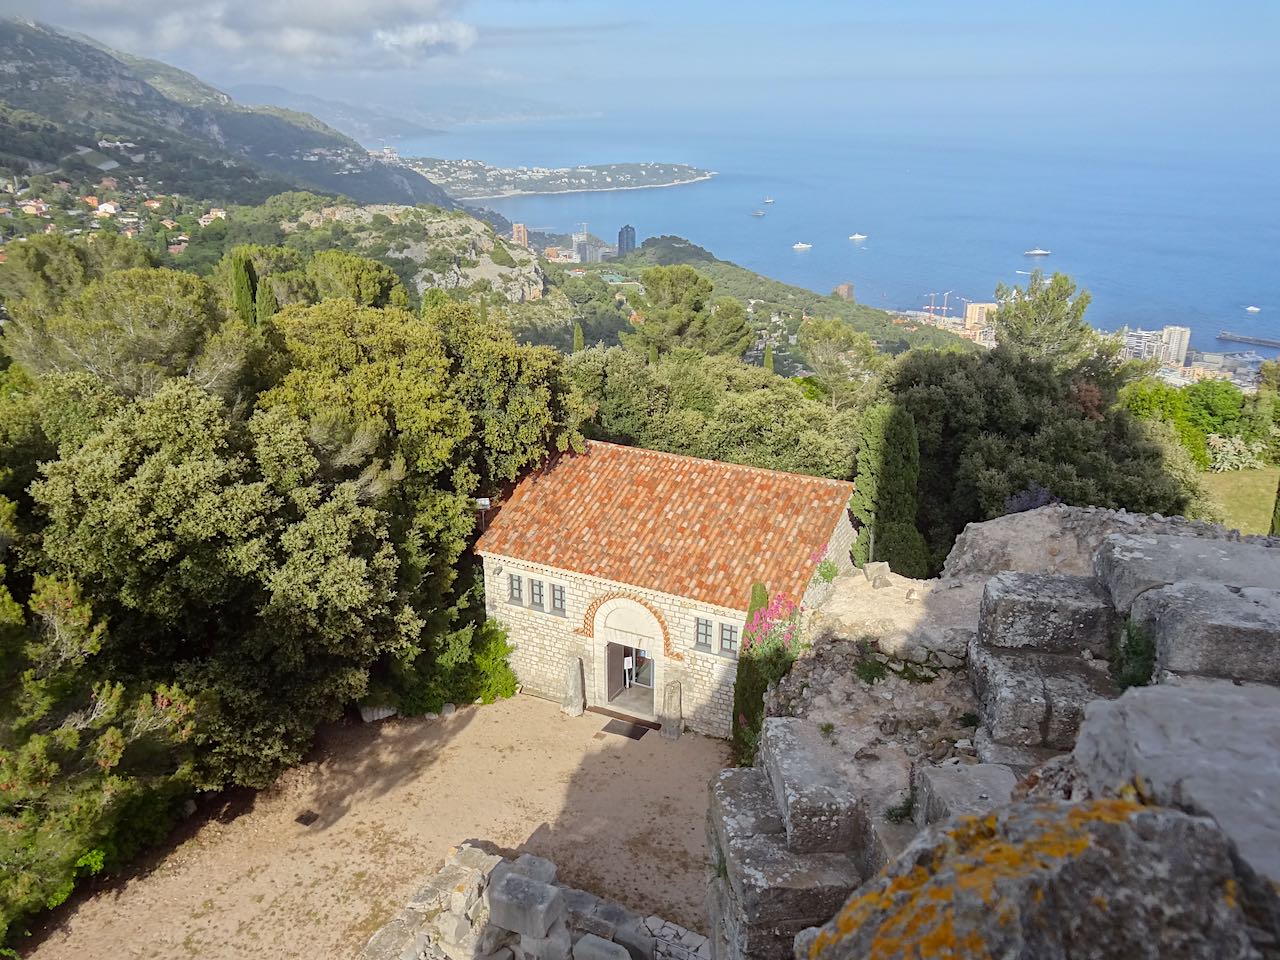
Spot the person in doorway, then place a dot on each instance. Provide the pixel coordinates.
(628, 670)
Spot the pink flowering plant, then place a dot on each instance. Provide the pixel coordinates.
(770, 642)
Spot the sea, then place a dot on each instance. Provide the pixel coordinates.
(1181, 232)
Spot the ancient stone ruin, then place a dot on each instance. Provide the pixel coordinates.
(951, 770)
(884, 811)
(482, 906)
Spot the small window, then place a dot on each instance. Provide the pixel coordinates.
(702, 634)
(515, 588)
(535, 593)
(729, 639)
(557, 599)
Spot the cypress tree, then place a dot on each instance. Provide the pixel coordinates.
(242, 289)
(266, 304)
(1275, 515)
(577, 337)
(768, 357)
(653, 354)
(884, 499)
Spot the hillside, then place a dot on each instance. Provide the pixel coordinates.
(773, 298)
(163, 120)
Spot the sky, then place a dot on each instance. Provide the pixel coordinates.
(1083, 64)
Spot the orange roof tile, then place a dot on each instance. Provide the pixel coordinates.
(679, 525)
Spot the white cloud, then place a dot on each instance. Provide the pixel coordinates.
(361, 34)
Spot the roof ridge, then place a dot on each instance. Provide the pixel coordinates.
(718, 463)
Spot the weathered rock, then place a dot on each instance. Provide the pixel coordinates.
(556, 945)
(968, 790)
(591, 947)
(741, 798)
(875, 569)
(1053, 613)
(1131, 565)
(672, 711)
(634, 938)
(535, 868)
(574, 701)
(819, 810)
(527, 906)
(885, 840)
(1106, 880)
(1017, 759)
(389, 942)
(1213, 630)
(881, 582)
(1211, 748)
(1032, 699)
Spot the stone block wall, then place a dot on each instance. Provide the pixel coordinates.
(546, 643)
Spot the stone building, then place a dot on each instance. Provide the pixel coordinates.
(629, 571)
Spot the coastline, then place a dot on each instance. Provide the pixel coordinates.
(556, 193)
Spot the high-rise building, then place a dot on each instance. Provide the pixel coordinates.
(1174, 343)
(978, 315)
(520, 234)
(626, 240)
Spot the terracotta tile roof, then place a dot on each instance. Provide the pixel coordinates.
(679, 525)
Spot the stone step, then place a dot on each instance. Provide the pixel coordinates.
(820, 810)
(1130, 565)
(1031, 699)
(1053, 613)
(962, 789)
(1213, 630)
(885, 840)
(1018, 759)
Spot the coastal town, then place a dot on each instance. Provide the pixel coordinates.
(475, 180)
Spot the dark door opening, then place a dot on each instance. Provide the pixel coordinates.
(629, 679)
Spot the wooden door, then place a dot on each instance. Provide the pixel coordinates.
(613, 669)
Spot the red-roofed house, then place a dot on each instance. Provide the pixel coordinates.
(622, 554)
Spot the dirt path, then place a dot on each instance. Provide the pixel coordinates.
(622, 818)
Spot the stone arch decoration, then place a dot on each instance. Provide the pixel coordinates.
(588, 628)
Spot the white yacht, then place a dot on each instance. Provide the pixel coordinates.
(1036, 252)
(757, 213)
(800, 245)
(857, 236)
(1253, 309)
(768, 199)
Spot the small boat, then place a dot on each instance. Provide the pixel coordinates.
(768, 199)
(799, 245)
(1253, 309)
(857, 236)
(757, 213)
(1036, 252)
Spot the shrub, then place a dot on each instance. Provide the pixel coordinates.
(769, 646)
(501, 256)
(827, 571)
(1134, 659)
(1234, 453)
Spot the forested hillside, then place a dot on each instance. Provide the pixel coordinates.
(175, 125)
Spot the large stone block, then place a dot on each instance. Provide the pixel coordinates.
(672, 711)
(960, 790)
(1032, 699)
(1214, 630)
(535, 868)
(885, 840)
(1106, 879)
(524, 905)
(1130, 565)
(389, 942)
(741, 800)
(591, 947)
(1057, 614)
(574, 701)
(632, 934)
(1210, 747)
(556, 945)
(771, 883)
(820, 811)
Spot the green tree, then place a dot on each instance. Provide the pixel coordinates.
(337, 274)
(266, 305)
(577, 337)
(884, 499)
(768, 357)
(242, 292)
(843, 361)
(133, 329)
(1275, 515)
(1044, 322)
(722, 329)
(46, 269)
(674, 307)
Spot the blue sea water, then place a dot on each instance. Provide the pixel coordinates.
(1186, 231)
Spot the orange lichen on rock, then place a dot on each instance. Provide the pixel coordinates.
(915, 912)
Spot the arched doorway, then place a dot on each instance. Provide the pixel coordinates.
(628, 645)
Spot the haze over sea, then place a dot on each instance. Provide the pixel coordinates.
(1163, 227)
